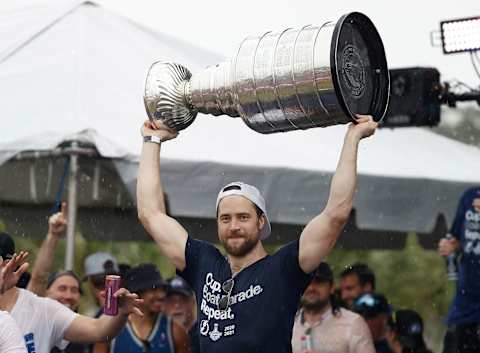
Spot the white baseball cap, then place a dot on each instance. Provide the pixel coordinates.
(100, 263)
(250, 192)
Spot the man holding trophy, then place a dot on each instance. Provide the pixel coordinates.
(247, 300)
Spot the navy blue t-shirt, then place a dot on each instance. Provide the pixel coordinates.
(466, 228)
(263, 302)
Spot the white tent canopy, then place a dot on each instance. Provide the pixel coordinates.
(70, 70)
(70, 65)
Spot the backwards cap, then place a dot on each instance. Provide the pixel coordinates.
(251, 193)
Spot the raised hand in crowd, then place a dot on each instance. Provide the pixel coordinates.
(57, 225)
(128, 303)
(447, 246)
(11, 270)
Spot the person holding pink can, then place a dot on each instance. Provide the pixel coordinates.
(29, 312)
(153, 331)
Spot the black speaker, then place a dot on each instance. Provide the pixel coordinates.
(414, 97)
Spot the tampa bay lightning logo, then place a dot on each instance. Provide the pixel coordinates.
(204, 327)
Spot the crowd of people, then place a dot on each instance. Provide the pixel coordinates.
(239, 300)
(353, 318)
(159, 317)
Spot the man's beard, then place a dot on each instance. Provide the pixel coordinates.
(241, 250)
(317, 305)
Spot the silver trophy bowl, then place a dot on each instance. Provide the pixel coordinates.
(315, 76)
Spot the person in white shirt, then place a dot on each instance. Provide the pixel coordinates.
(10, 337)
(321, 326)
(11, 340)
(46, 323)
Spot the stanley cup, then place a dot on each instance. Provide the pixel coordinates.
(291, 80)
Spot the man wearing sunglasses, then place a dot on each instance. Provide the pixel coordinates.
(247, 300)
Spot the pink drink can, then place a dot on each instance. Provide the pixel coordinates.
(112, 284)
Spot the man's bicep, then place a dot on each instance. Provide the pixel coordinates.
(317, 240)
(170, 237)
(60, 318)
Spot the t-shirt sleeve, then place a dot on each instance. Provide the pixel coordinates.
(288, 256)
(195, 250)
(61, 318)
(360, 337)
(11, 340)
(456, 228)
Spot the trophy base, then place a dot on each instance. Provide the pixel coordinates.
(359, 67)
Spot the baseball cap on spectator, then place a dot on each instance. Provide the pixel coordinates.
(143, 277)
(7, 246)
(177, 285)
(408, 326)
(100, 263)
(370, 305)
(251, 193)
(323, 273)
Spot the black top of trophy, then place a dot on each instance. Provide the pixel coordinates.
(359, 67)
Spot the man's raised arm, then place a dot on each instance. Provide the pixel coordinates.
(321, 233)
(57, 224)
(169, 235)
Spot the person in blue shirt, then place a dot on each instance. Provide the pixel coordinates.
(246, 300)
(464, 315)
(152, 332)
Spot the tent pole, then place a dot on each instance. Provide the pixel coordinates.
(72, 209)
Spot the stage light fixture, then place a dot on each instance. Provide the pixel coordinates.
(414, 97)
(460, 35)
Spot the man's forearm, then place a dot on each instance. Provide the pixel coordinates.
(109, 326)
(169, 235)
(344, 182)
(89, 330)
(149, 188)
(43, 264)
